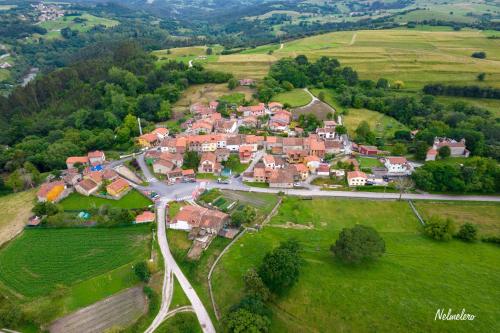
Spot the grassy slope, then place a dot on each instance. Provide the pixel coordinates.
(39, 260)
(295, 97)
(132, 200)
(399, 293)
(381, 124)
(484, 215)
(53, 27)
(16, 209)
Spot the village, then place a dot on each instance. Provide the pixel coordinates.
(289, 158)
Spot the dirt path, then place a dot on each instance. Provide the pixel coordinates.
(121, 309)
(282, 45)
(353, 39)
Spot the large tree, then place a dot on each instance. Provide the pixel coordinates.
(358, 243)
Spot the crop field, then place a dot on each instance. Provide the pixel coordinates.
(414, 56)
(132, 200)
(16, 209)
(54, 27)
(484, 215)
(295, 97)
(39, 260)
(398, 293)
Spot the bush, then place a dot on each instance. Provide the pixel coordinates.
(492, 239)
(245, 321)
(357, 244)
(467, 232)
(479, 55)
(142, 271)
(439, 229)
(254, 285)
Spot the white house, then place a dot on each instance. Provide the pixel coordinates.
(397, 165)
(356, 178)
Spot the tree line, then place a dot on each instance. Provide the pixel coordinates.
(463, 91)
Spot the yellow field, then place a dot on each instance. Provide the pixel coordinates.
(416, 57)
(16, 209)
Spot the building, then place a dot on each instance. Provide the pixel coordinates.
(323, 170)
(247, 82)
(431, 155)
(367, 150)
(147, 140)
(457, 148)
(246, 153)
(145, 217)
(86, 187)
(190, 217)
(253, 110)
(96, 157)
(52, 192)
(73, 161)
(118, 187)
(163, 166)
(356, 178)
(209, 164)
(281, 178)
(302, 171)
(398, 166)
(273, 162)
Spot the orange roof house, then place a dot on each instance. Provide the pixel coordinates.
(118, 187)
(145, 217)
(51, 192)
(72, 160)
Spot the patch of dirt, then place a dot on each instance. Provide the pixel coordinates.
(291, 225)
(16, 209)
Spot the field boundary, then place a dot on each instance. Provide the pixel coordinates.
(415, 211)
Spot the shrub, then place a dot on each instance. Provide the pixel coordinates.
(357, 244)
(467, 232)
(439, 229)
(243, 320)
(479, 55)
(142, 271)
(254, 285)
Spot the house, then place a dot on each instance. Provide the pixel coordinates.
(246, 153)
(95, 176)
(72, 161)
(147, 140)
(226, 126)
(356, 178)
(118, 187)
(175, 158)
(334, 147)
(274, 106)
(292, 144)
(202, 126)
(51, 192)
(234, 142)
(247, 82)
(273, 162)
(312, 162)
(175, 175)
(209, 164)
(326, 133)
(397, 165)
(145, 217)
(86, 187)
(253, 110)
(368, 150)
(457, 148)
(323, 170)
(431, 155)
(71, 176)
(296, 156)
(213, 105)
(160, 132)
(190, 217)
(96, 157)
(329, 124)
(222, 154)
(259, 175)
(250, 122)
(302, 171)
(163, 166)
(188, 174)
(109, 174)
(281, 178)
(316, 147)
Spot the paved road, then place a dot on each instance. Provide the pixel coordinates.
(198, 307)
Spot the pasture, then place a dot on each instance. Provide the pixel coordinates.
(132, 200)
(399, 292)
(16, 209)
(295, 98)
(38, 261)
(483, 214)
(414, 56)
(73, 22)
(380, 124)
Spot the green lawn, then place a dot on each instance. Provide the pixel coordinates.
(295, 97)
(399, 293)
(484, 215)
(179, 298)
(365, 162)
(40, 259)
(256, 184)
(133, 200)
(184, 322)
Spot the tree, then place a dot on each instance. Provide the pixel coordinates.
(439, 229)
(255, 286)
(244, 321)
(232, 83)
(467, 232)
(382, 83)
(321, 96)
(364, 133)
(340, 129)
(403, 185)
(481, 76)
(280, 268)
(209, 51)
(233, 162)
(243, 216)
(45, 208)
(444, 152)
(357, 244)
(142, 271)
(191, 160)
(421, 149)
(398, 84)
(399, 149)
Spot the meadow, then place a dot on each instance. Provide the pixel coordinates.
(16, 209)
(483, 214)
(295, 98)
(54, 26)
(40, 260)
(382, 125)
(400, 292)
(132, 200)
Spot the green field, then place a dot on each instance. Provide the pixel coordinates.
(365, 162)
(484, 215)
(295, 97)
(35, 263)
(184, 322)
(132, 200)
(414, 56)
(381, 124)
(399, 293)
(54, 27)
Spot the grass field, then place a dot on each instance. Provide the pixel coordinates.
(417, 57)
(54, 26)
(365, 162)
(185, 322)
(132, 200)
(41, 259)
(399, 293)
(381, 124)
(484, 215)
(16, 209)
(295, 97)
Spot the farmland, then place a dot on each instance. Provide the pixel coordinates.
(16, 209)
(132, 200)
(413, 56)
(294, 98)
(401, 291)
(51, 257)
(483, 215)
(73, 22)
(381, 124)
